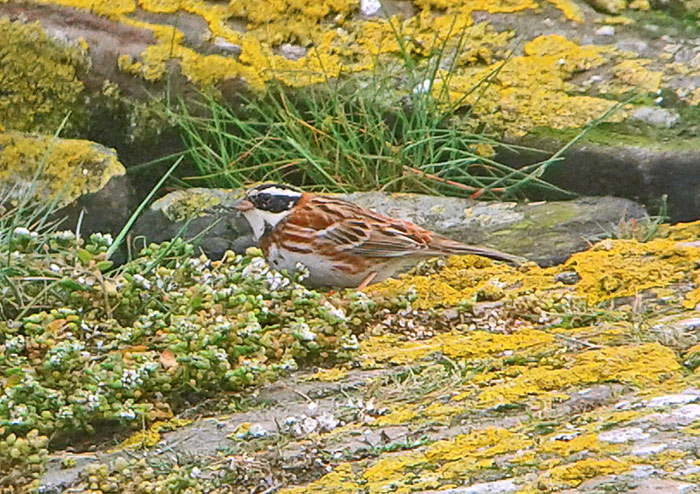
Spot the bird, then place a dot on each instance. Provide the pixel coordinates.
(342, 244)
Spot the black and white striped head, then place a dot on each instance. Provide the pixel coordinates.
(266, 205)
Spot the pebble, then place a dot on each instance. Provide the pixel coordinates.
(623, 435)
(650, 449)
(370, 7)
(605, 31)
(668, 400)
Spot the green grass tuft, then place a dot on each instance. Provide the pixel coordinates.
(389, 130)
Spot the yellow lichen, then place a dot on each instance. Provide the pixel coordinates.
(566, 447)
(479, 444)
(151, 436)
(473, 345)
(625, 267)
(632, 74)
(463, 279)
(332, 40)
(401, 415)
(39, 79)
(635, 364)
(573, 474)
(609, 270)
(570, 10)
(329, 375)
(338, 481)
(70, 168)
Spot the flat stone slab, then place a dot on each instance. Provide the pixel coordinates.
(545, 232)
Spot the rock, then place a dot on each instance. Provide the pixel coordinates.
(546, 232)
(608, 6)
(292, 52)
(370, 7)
(663, 486)
(499, 486)
(617, 436)
(205, 209)
(649, 449)
(641, 172)
(668, 400)
(657, 117)
(568, 277)
(605, 31)
(104, 211)
(39, 79)
(60, 170)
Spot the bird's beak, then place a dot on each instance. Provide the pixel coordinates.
(243, 205)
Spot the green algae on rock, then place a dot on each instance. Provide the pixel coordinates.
(54, 169)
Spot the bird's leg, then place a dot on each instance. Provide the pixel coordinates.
(367, 281)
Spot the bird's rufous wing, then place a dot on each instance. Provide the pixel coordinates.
(349, 228)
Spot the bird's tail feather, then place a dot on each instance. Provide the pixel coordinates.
(452, 247)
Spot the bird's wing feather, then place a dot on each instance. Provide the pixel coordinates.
(349, 228)
(359, 237)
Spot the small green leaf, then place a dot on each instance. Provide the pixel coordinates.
(72, 284)
(84, 256)
(104, 265)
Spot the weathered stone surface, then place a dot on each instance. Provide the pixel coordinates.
(54, 169)
(216, 228)
(545, 232)
(643, 173)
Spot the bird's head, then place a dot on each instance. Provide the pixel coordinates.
(266, 205)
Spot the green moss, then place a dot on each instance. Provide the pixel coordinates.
(629, 133)
(38, 77)
(671, 22)
(69, 167)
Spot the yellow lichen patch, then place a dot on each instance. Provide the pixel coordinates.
(632, 74)
(391, 469)
(338, 481)
(479, 444)
(666, 459)
(400, 415)
(532, 90)
(565, 447)
(329, 375)
(692, 299)
(440, 411)
(635, 364)
(473, 345)
(626, 267)
(573, 474)
(70, 167)
(570, 10)
(329, 38)
(455, 459)
(570, 56)
(39, 79)
(463, 279)
(151, 436)
(186, 204)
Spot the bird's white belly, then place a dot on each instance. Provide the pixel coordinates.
(322, 272)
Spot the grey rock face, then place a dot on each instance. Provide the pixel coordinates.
(545, 232)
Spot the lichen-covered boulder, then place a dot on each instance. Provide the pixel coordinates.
(38, 77)
(54, 169)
